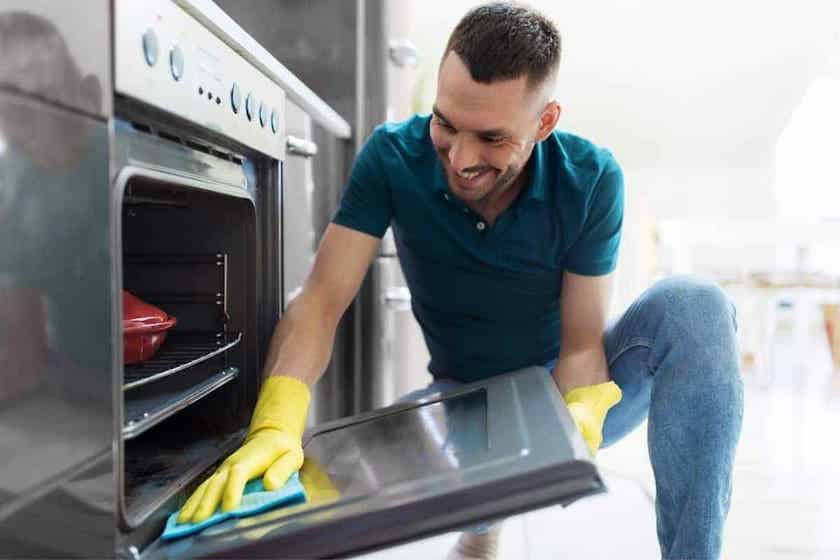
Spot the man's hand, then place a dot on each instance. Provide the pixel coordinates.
(274, 453)
(271, 450)
(589, 406)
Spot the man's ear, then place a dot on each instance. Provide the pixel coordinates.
(548, 120)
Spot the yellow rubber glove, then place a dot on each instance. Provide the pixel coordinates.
(272, 449)
(588, 407)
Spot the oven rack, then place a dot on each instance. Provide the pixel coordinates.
(178, 352)
(143, 413)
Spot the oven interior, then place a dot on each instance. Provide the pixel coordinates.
(190, 252)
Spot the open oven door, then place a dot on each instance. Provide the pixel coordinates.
(490, 449)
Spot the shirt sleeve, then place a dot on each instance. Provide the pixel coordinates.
(366, 200)
(595, 252)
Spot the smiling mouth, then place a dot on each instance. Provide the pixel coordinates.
(471, 178)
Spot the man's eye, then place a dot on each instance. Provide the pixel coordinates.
(446, 125)
(494, 139)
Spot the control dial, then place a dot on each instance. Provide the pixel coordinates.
(176, 63)
(235, 98)
(250, 106)
(150, 47)
(263, 114)
(275, 121)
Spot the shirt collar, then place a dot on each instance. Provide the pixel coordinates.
(535, 189)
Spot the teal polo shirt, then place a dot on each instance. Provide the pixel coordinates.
(487, 297)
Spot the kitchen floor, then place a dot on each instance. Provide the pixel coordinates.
(786, 498)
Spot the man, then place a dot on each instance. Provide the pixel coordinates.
(508, 231)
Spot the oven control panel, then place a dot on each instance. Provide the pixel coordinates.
(166, 58)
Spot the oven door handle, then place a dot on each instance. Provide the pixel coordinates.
(301, 146)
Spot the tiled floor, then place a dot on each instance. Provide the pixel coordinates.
(786, 499)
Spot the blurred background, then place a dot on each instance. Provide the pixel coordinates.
(724, 116)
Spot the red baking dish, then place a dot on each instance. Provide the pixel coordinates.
(144, 328)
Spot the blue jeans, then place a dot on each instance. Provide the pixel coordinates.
(675, 357)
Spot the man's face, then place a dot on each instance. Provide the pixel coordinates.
(483, 133)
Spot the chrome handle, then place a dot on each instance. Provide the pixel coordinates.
(301, 146)
(398, 298)
(403, 53)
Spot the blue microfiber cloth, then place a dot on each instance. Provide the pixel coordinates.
(255, 499)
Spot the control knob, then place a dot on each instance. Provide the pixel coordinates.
(176, 63)
(235, 98)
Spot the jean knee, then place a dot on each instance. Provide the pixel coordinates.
(700, 334)
(698, 302)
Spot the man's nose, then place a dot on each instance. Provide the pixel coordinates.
(463, 153)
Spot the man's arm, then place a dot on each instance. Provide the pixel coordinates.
(581, 373)
(303, 339)
(584, 304)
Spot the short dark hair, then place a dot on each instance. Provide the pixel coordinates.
(503, 41)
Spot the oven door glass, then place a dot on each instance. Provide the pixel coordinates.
(487, 450)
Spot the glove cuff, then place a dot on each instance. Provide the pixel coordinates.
(600, 397)
(282, 405)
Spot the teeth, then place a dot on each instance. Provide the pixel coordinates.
(469, 175)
